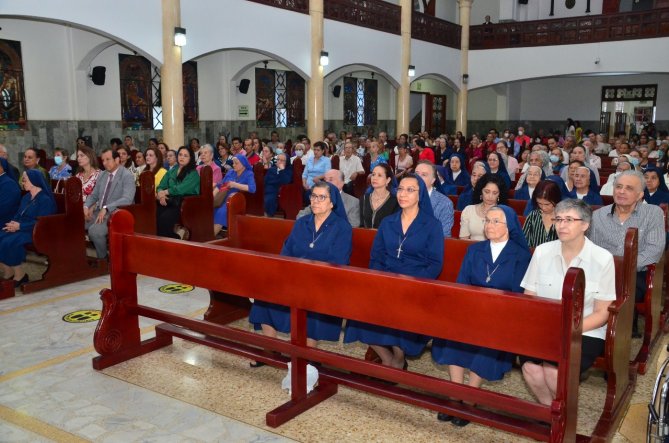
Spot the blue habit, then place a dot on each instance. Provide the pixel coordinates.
(332, 244)
(10, 198)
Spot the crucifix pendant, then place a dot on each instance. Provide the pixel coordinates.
(399, 251)
(487, 279)
(311, 245)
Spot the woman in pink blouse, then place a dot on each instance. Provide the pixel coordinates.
(88, 170)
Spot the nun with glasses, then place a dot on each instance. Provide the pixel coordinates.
(408, 242)
(499, 262)
(324, 235)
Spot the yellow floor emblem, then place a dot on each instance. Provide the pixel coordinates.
(82, 316)
(175, 288)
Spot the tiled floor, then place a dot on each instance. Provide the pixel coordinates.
(185, 392)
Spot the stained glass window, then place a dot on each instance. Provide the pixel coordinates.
(360, 101)
(279, 98)
(13, 111)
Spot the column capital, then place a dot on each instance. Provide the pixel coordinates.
(465, 3)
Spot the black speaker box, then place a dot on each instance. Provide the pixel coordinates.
(244, 85)
(336, 91)
(98, 75)
(522, 2)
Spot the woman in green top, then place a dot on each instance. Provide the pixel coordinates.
(177, 183)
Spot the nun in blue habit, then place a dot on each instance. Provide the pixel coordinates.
(498, 167)
(500, 263)
(417, 252)
(10, 193)
(324, 235)
(18, 232)
(281, 173)
(656, 191)
(242, 176)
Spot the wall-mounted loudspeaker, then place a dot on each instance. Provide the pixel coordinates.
(522, 2)
(98, 75)
(336, 91)
(244, 85)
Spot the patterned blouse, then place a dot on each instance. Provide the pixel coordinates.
(88, 185)
(535, 232)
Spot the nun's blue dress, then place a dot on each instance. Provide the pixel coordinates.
(661, 195)
(245, 178)
(332, 243)
(274, 179)
(10, 194)
(418, 253)
(505, 273)
(12, 251)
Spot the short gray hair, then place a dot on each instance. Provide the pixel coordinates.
(208, 147)
(632, 173)
(584, 210)
(432, 166)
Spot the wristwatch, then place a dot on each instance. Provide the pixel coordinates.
(104, 207)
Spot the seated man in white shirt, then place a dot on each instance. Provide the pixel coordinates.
(351, 166)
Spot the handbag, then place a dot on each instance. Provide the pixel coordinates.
(219, 198)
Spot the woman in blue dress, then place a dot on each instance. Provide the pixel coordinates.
(324, 235)
(240, 178)
(497, 166)
(408, 242)
(10, 193)
(465, 198)
(499, 262)
(281, 173)
(18, 232)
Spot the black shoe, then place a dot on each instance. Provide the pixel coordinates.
(257, 364)
(636, 334)
(459, 422)
(406, 365)
(18, 283)
(442, 416)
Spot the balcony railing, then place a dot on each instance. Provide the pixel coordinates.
(435, 30)
(292, 5)
(373, 14)
(569, 31)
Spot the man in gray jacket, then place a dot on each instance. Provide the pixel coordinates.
(351, 204)
(115, 187)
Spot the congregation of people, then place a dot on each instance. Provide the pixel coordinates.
(414, 187)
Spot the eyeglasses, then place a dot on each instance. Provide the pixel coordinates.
(494, 222)
(318, 197)
(401, 190)
(567, 220)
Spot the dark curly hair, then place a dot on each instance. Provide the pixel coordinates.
(495, 179)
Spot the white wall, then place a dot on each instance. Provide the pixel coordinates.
(482, 8)
(540, 9)
(447, 10)
(429, 58)
(489, 67)
(213, 25)
(137, 24)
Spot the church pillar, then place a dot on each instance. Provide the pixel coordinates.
(461, 112)
(315, 84)
(402, 113)
(171, 83)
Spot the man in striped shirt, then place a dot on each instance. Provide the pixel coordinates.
(610, 223)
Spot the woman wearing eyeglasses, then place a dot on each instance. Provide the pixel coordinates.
(545, 276)
(408, 242)
(324, 235)
(500, 263)
(539, 227)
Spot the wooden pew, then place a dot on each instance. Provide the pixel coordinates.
(290, 195)
(255, 204)
(144, 209)
(197, 211)
(262, 235)
(60, 237)
(467, 310)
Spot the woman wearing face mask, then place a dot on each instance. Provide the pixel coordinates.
(556, 160)
(278, 175)
(299, 152)
(61, 170)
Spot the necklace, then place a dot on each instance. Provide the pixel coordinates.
(490, 274)
(401, 242)
(314, 238)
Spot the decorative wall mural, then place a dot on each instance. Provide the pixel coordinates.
(13, 112)
(136, 102)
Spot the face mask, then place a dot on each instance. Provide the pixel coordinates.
(554, 158)
(361, 150)
(506, 135)
(520, 132)
(299, 153)
(634, 161)
(58, 160)
(279, 151)
(660, 154)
